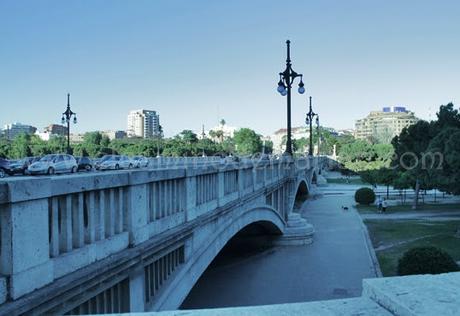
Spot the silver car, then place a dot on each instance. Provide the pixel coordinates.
(55, 163)
(140, 161)
(116, 162)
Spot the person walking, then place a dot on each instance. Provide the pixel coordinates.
(379, 204)
(384, 206)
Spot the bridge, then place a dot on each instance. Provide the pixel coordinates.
(138, 240)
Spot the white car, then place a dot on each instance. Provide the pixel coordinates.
(55, 163)
(140, 161)
(116, 162)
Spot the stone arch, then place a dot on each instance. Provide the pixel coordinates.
(204, 253)
(301, 190)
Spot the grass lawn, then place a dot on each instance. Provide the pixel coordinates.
(355, 180)
(370, 209)
(395, 237)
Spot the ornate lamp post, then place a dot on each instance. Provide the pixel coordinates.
(66, 117)
(309, 121)
(284, 88)
(203, 136)
(319, 133)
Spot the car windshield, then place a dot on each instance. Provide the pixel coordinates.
(48, 158)
(107, 157)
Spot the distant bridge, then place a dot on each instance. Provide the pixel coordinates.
(138, 240)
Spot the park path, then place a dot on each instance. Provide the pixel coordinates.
(330, 268)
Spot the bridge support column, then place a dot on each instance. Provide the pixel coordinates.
(297, 232)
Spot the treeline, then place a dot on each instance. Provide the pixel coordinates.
(424, 156)
(186, 143)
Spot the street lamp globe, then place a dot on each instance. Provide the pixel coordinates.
(281, 87)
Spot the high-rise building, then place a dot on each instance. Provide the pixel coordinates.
(383, 125)
(143, 123)
(14, 129)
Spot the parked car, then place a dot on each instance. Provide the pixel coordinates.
(140, 161)
(97, 161)
(55, 163)
(4, 168)
(84, 163)
(116, 162)
(20, 166)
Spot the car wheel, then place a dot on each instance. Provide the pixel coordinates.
(88, 168)
(50, 170)
(74, 169)
(117, 167)
(2, 173)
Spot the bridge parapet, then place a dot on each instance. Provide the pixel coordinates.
(53, 226)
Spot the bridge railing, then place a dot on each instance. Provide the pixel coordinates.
(52, 226)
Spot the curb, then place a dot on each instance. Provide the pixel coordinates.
(370, 247)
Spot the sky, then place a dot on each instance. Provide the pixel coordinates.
(196, 62)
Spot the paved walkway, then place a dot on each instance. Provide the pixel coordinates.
(332, 267)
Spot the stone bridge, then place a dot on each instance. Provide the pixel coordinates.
(138, 240)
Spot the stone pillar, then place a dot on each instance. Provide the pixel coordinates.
(25, 247)
(137, 213)
(220, 188)
(190, 197)
(137, 290)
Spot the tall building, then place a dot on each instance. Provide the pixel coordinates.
(143, 123)
(56, 129)
(14, 129)
(383, 125)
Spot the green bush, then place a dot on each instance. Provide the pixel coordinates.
(364, 196)
(426, 260)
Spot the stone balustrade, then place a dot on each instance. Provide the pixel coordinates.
(53, 226)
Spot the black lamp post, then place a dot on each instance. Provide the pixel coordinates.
(319, 133)
(66, 117)
(203, 136)
(284, 88)
(309, 121)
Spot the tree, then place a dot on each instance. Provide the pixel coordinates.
(20, 146)
(247, 141)
(410, 147)
(105, 141)
(92, 138)
(188, 136)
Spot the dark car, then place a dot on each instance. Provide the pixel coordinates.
(20, 166)
(84, 163)
(4, 168)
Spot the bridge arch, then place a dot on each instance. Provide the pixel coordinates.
(204, 251)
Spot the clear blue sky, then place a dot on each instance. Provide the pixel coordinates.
(198, 61)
